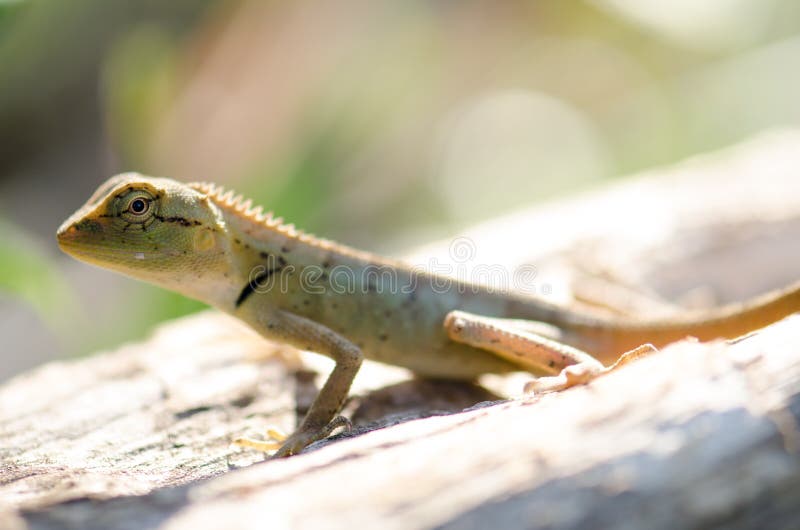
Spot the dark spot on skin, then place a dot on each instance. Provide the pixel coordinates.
(264, 255)
(383, 337)
(285, 249)
(270, 326)
(306, 302)
(551, 363)
(494, 341)
(325, 264)
(237, 241)
(410, 299)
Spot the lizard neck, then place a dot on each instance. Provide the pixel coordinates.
(264, 256)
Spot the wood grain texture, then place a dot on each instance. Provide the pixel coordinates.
(697, 436)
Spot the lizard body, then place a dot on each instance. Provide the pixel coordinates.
(203, 242)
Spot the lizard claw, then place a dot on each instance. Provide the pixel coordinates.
(274, 438)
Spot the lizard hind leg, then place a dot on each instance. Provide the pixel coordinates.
(562, 365)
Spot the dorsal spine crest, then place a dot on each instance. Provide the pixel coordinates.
(228, 200)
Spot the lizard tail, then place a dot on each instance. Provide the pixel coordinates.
(607, 338)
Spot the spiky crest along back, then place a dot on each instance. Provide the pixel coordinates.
(266, 224)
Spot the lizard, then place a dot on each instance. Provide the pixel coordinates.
(314, 294)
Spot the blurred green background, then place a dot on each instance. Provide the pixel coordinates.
(382, 124)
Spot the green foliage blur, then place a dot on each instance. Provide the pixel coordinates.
(27, 274)
(382, 124)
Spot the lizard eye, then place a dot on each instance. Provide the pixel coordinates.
(138, 206)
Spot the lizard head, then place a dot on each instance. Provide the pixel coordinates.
(154, 229)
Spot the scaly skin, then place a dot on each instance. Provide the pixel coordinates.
(317, 295)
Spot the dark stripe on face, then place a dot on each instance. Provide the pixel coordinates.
(180, 220)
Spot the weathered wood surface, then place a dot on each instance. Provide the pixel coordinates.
(697, 436)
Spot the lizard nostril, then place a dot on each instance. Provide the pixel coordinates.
(66, 230)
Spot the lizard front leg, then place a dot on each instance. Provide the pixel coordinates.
(321, 418)
(533, 351)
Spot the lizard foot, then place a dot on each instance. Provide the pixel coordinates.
(291, 445)
(305, 436)
(583, 373)
(577, 374)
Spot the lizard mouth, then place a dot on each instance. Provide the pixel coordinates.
(87, 242)
(83, 241)
(84, 251)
